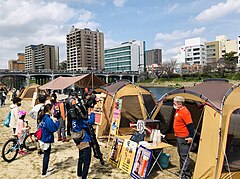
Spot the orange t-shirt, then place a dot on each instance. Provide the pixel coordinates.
(182, 118)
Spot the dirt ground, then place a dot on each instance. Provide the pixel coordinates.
(64, 158)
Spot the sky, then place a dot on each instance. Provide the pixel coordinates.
(161, 24)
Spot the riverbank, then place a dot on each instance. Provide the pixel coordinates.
(177, 84)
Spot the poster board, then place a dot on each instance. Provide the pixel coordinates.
(127, 155)
(98, 108)
(115, 152)
(141, 163)
(116, 117)
(98, 118)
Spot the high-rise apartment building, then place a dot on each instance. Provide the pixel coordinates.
(129, 56)
(18, 64)
(153, 56)
(39, 57)
(85, 49)
(194, 51)
(212, 50)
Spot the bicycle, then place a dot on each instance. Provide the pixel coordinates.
(11, 147)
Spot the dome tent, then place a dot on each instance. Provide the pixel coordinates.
(137, 103)
(215, 111)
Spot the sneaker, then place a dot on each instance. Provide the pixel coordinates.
(50, 169)
(46, 175)
(40, 152)
(65, 140)
(60, 139)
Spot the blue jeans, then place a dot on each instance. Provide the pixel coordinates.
(183, 149)
(46, 157)
(84, 161)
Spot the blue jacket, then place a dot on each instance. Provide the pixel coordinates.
(49, 127)
(78, 125)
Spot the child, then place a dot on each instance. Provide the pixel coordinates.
(20, 128)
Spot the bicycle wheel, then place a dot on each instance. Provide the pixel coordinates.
(10, 150)
(30, 142)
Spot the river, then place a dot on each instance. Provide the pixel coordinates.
(159, 91)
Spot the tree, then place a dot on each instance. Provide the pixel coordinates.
(230, 61)
(63, 65)
(169, 66)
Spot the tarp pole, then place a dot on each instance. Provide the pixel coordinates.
(92, 81)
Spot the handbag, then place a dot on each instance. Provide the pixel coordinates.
(7, 120)
(38, 133)
(78, 136)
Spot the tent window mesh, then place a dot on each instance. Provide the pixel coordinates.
(233, 143)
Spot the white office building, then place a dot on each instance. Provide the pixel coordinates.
(129, 56)
(194, 51)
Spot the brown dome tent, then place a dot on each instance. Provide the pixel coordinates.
(215, 109)
(137, 103)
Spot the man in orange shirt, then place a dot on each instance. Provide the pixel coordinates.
(184, 132)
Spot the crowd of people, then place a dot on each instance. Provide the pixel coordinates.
(69, 117)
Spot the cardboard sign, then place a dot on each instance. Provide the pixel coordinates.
(116, 117)
(127, 155)
(141, 163)
(115, 152)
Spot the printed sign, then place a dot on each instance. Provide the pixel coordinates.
(116, 117)
(127, 155)
(115, 152)
(141, 163)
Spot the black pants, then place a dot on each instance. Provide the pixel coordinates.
(46, 157)
(69, 126)
(183, 149)
(84, 161)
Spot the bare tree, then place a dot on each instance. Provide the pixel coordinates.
(169, 66)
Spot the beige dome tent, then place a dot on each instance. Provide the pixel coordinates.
(29, 91)
(215, 109)
(137, 103)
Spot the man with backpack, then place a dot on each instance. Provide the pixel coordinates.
(70, 102)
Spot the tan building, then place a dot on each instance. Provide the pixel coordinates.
(85, 49)
(42, 57)
(153, 56)
(226, 45)
(18, 64)
(212, 50)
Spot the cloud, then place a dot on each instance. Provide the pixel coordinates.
(109, 43)
(219, 10)
(34, 22)
(179, 34)
(172, 51)
(119, 3)
(85, 15)
(172, 8)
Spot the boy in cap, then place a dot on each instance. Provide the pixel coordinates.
(184, 132)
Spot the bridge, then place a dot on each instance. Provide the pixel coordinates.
(17, 78)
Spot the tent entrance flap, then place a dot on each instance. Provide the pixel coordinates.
(232, 160)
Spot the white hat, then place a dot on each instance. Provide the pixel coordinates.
(62, 97)
(179, 99)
